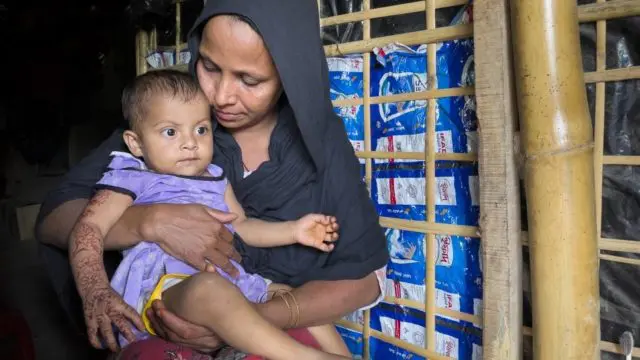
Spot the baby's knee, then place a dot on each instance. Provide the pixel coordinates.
(204, 284)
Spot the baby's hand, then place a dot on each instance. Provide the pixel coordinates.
(316, 230)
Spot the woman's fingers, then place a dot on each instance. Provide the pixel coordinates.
(104, 323)
(156, 323)
(183, 329)
(125, 328)
(223, 217)
(221, 261)
(92, 333)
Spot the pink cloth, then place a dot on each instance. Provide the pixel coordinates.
(155, 348)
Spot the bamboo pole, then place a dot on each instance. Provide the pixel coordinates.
(368, 163)
(430, 179)
(557, 140)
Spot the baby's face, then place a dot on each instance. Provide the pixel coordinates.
(176, 136)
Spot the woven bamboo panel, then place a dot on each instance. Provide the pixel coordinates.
(431, 36)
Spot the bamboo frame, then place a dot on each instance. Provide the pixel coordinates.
(557, 141)
(430, 36)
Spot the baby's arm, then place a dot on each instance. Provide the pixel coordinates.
(314, 230)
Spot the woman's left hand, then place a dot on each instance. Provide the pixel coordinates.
(174, 329)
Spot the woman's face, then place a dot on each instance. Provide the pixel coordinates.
(237, 73)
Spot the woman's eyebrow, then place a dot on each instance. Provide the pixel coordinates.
(239, 73)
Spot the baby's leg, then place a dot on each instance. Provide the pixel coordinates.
(327, 336)
(211, 301)
(329, 340)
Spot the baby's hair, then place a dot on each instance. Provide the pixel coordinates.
(142, 89)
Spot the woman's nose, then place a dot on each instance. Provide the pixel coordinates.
(224, 92)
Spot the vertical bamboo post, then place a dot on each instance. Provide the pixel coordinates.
(557, 140)
(366, 107)
(430, 181)
(142, 45)
(601, 65)
(178, 33)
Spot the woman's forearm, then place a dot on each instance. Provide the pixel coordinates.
(56, 228)
(323, 302)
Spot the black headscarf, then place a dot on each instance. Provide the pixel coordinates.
(312, 166)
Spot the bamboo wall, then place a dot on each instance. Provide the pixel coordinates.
(431, 36)
(498, 155)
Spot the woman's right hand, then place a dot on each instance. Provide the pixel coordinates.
(194, 234)
(103, 309)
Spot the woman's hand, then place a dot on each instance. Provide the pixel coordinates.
(176, 330)
(194, 234)
(103, 309)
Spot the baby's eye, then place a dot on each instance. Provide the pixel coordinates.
(169, 132)
(201, 130)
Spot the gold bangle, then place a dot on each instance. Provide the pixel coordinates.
(280, 294)
(297, 317)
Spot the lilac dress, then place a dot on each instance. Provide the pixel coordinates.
(144, 264)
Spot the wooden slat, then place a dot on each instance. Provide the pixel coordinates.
(386, 11)
(629, 73)
(431, 355)
(412, 96)
(413, 38)
(464, 157)
(430, 227)
(622, 160)
(476, 320)
(612, 9)
(499, 187)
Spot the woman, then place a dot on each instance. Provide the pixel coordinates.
(282, 148)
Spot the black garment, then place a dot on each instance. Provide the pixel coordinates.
(312, 165)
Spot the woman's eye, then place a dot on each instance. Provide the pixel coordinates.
(202, 130)
(249, 81)
(169, 132)
(209, 66)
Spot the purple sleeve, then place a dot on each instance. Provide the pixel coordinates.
(125, 174)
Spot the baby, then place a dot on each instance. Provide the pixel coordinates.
(170, 128)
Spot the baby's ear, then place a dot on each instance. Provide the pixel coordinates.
(133, 143)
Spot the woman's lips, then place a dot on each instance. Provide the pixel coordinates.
(227, 117)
